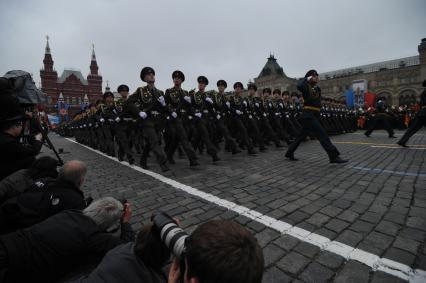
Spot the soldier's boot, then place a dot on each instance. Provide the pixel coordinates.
(251, 151)
(215, 157)
(143, 163)
(131, 159)
(193, 163)
(170, 159)
(164, 167)
(120, 155)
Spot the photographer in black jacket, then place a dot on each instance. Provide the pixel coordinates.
(14, 154)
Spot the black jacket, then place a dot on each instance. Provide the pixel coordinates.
(15, 184)
(15, 155)
(56, 246)
(122, 265)
(45, 198)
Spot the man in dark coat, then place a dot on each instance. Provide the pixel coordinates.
(45, 198)
(51, 249)
(14, 155)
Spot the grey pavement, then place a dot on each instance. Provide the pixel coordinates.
(376, 202)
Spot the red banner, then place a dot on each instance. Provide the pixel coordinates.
(369, 99)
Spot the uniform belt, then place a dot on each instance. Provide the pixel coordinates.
(111, 120)
(182, 111)
(155, 113)
(205, 111)
(311, 108)
(128, 119)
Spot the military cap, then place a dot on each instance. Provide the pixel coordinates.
(285, 92)
(108, 93)
(122, 88)
(11, 109)
(222, 82)
(178, 74)
(252, 86)
(311, 73)
(238, 84)
(202, 80)
(267, 90)
(145, 71)
(276, 91)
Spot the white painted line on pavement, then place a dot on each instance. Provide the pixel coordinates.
(349, 253)
(400, 147)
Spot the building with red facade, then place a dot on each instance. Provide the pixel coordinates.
(71, 88)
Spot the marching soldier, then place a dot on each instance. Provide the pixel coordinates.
(252, 120)
(222, 117)
(178, 105)
(107, 123)
(236, 107)
(418, 122)
(382, 117)
(148, 103)
(201, 115)
(310, 118)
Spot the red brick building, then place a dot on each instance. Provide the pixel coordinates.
(71, 86)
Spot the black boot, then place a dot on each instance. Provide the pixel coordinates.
(290, 156)
(193, 163)
(337, 159)
(251, 151)
(402, 144)
(164, 167)
(235, 151)
(131, 159)
(143, 163)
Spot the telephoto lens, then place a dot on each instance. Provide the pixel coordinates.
(171, 234)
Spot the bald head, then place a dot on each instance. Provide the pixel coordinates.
(73, 171)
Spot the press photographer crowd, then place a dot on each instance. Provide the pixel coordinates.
(51, 232)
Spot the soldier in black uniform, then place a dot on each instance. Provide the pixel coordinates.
(380, 117)
(310, 118)
(237, 111)
(201, 114)
(148, 103)
(419, 120)
(252, 119)
(222, 117)
(107, 123)
(120, 120)
(178, 104)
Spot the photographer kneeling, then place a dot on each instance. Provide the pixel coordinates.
(14, 155)
(218, 251)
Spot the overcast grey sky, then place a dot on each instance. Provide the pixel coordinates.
(228, 39)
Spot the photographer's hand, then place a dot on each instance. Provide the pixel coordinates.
(127, 213)
(38, 137)
(174, 272)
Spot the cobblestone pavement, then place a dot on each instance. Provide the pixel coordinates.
(375, 203)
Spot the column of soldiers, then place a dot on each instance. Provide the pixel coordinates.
(186, 122)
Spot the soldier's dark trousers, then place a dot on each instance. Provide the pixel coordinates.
(242, 133)
(312, 126)
(152, 143)
(253, 129)
(178, 136)
(204, 136)
(269, 133)
(417, 124)
(383, 119)
(122, 132)
(223, 130)
(109, 139)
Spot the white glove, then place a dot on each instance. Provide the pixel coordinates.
(174, 115)
(161, 100)
(117, 119)
(245, 103)
(257, 104)
(264, 115)
(189, 117)
(281, 105)
(228, 104)
(209, 100)
(39, 137)
(102, 120)
(238, 112)
(218, 116)
(143, 115)
(277, 114)
(270, 105)
(198, 114)
(187, 98)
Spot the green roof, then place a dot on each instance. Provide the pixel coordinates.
(272, 68)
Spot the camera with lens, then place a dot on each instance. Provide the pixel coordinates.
(173, 236)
